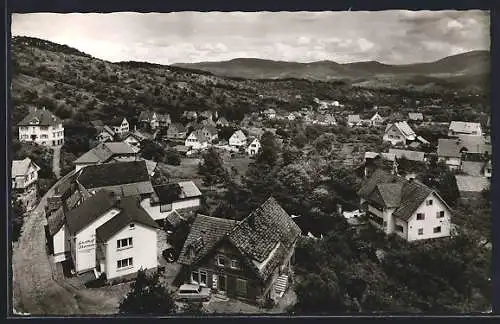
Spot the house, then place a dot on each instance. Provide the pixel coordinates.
(238, 139)
(208, 122)
(474, 168)
(59, 246)
(207, 114)
(105, 134)
(325, 120)
(197, 140)
(376, 120)
(464, 128)
(210, 132)
(149, 118)
(107, 152)
(291, 116)
(120, 126)
(123, 178)
(415, 156)
(134, 139)
(164, 120)
(42, 127)
(172, 197)
(353, 120)
(254, 147)
(474, 146)
(269, 113)
(222, 122)
(448, 151)
(249, 260)
(176, 131)
(399, 133)
(24, 175)
(415, 116)
(406, 208)
(111, 235)
(471, 187)
(190, 115)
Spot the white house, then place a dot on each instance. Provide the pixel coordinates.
(269, 113)
(409, 209)
(42, 127)
(111, 235)
(134, 140)
(197, 140)
(120, 126)
(376, 120)
(254, 147)
(105, 134)
(464, 128)
(399, 133)
(354, 120)
(291, 116)
(238, 139)
(172, 197)
(24, 175)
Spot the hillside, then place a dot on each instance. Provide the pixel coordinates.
(475, 64)
(79, 88)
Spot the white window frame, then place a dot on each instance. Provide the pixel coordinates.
(439, 213)
(219, 257)
(234, 261)
(200, 277)
(125, 264)
(125, 243)
(195, 276)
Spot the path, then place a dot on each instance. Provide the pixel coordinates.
(56, 161)
(34, 290)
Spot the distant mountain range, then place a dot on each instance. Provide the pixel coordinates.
(461, 70)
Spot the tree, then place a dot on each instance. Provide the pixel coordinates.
(448, 188)
(172, 157)
(17, 218)
(194, 308)
(150, 150)
(147, 296)
(268, 153)
(212, 168)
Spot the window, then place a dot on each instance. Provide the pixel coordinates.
(132, 226)
(123, 243)
(399, 229)
(165, 208)
(420, 231)
(194, 277)
(420, 216)
(429, 202)
(44, 136)
(437, 229)
(203, 278)
(440, 214)
(220, 261)
(235, 264)
(241, 287)
(125, 263)
(384, 224)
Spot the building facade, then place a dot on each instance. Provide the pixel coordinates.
(42, 127)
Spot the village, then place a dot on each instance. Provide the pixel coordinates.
(120, 209)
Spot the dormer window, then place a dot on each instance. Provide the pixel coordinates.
(34, 121)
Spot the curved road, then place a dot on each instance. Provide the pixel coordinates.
(34, 290)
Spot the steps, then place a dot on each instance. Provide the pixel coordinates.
(280, 285)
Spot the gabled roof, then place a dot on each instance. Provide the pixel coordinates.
(130, 212)
(104, 152)
(238, 135)
(403, 127)
(198, 134)
(146, 115)
(222, 120)
(464, 127)
(265, 236)
(171, 192)
(396, 192)
(108, 130)
(89, 210)
(448, 147)
(205, 233)
(473, 168)
(113, 174)
(21, 167)
(56, 220)
(467, 183)
(376, 116)
(40, 117)
(117, 121)
(415, 116)
(409, 155)
(475, 144)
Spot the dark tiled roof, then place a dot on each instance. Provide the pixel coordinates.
(175, 128)
(117, 121)
(146, 115)
(448, 147)
(390, 193)
(105, 151)
(174, 219)
(167, 193)
(130, 212)
(89, 210)
(113, 174)
(379, 176)
(56, 221)
(205, 233)
(413, 194)
(44, 117)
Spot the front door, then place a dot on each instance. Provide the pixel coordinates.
(221, 282)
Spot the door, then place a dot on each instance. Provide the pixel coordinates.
(221, 281)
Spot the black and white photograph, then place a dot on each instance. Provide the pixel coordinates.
(289, 163)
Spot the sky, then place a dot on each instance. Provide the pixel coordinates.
(391, 37)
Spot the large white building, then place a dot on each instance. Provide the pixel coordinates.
(42, 127)
(406, 208)
(108, 234)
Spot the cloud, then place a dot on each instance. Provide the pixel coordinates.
(165, 38)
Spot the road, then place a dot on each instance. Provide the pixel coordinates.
(56, 161)
(33, 288)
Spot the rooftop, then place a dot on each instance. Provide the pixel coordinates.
(114, 174)
(40, 117)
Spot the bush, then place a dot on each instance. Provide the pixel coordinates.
(172, 157)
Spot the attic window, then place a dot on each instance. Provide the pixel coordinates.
(132, 226)
(34, 121)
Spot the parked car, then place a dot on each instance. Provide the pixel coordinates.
(193, 292)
